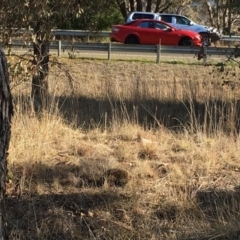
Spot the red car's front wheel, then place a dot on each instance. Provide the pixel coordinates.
(186, 41)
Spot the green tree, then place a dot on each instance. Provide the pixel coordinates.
(92, 15)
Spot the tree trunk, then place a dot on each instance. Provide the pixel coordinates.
(218, 23)
(139, 5)
(40, 78)
(157, 9)
(123, 8)
(132, 7)
(210, 12)
(229, 20)
(6, 112)
(224, 20)
(149, 6)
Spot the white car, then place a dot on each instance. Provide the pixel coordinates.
(182, 22)
(142, 15)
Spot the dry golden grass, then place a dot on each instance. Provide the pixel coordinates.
(172, 128)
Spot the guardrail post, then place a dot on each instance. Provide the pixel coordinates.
(158, 53)
(109, 51)
(59, 48)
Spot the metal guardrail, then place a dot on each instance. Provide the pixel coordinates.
(230, 38)
(80, 33)
(109, 48)
(118, 47)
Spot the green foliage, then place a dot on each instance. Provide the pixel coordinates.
(93, 17)
(105, 21)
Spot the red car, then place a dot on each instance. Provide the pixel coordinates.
(148, 31)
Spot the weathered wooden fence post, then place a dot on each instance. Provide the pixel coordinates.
(109, 51)
(59, 48)
(158, 53)
(6, 112)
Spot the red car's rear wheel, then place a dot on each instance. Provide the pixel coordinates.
(132, 39)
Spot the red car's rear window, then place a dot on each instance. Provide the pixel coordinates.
(130, 23)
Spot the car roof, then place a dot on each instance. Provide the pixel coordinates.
(171, 14)
(160, 14)
(146, 19)
(151, 20)
(142, 12)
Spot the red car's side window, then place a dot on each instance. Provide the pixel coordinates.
(143, 25)
(161, 26)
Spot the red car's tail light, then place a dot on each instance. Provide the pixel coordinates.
(115, 29)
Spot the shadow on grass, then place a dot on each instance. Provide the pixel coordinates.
(212, 115)
(90, 112)
(71, 211)
(215, 215)
(61, 216)
(94, 215)
(221, 209)
(220, 203)
(66, 210)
